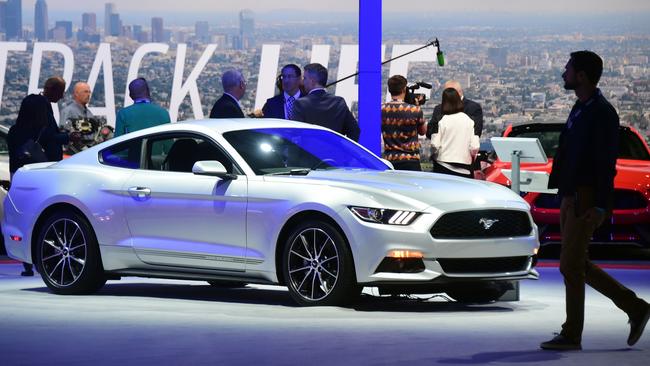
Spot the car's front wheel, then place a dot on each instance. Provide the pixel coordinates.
(67, 254)
(317, 266)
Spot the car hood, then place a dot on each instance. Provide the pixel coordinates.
(417, 190)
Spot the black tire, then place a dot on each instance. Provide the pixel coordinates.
(227, 284)
(67, 254)
(476, 293)
(317, 266)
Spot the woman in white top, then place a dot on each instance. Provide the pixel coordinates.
(455, 143)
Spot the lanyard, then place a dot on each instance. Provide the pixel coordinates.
(576, 113)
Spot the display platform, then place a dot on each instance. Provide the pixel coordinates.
(163, 322)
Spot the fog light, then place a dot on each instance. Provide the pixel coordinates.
(15, 238)
(535, 251)
(405, 254)
(400, 265)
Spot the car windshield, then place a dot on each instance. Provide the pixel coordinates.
(630, 145)
(297, 151)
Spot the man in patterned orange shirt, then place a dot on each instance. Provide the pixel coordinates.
(401, 123)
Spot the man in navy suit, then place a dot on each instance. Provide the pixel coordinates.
(281, 105)
(234, 88)
(583, 170)
(322, 108)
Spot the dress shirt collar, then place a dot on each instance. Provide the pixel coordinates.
(295, 96)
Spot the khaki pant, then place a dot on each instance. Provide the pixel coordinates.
(577, 269)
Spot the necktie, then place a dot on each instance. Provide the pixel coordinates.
(289, 107)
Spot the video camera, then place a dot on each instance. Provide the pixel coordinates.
(89, 131)
(416, 98)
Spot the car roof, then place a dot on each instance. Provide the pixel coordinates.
(220, 125)
(223, 125)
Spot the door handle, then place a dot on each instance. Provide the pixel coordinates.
(140, 192)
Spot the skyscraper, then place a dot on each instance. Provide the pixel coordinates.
(109, 9)
(157, 31)
(202, 31)
(66, 25)
(88, 31)
(14, 19)
(137, 32)
(41, 23)
(116, 25)
(3, 16)
(247, 28)
(89, 22)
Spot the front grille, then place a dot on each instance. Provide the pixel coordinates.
(483, 265)
(482, 224)
(624, 199)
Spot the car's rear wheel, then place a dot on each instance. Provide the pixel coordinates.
(67, 255)
(317, 266)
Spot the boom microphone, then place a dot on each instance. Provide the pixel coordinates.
(439, 55)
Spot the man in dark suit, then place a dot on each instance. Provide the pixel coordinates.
(281, 105)
(234, 88)
(584, 167)
(471, 108)
(322, 108)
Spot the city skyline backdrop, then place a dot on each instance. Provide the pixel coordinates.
(468, 12)
(514, 6)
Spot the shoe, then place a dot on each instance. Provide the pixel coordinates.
(561, 343)
(27, 273)
(637, 325)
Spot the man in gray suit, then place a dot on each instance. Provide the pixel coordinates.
(322, 108)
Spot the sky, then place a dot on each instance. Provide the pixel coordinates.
(507, 6)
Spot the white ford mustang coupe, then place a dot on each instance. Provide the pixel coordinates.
(264, 201)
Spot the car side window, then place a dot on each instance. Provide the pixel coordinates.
(123, 155)
(630, 146)
(178, 153)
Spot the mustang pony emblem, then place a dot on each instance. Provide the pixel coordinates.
(487, 223)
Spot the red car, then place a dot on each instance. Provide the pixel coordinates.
(630, 222)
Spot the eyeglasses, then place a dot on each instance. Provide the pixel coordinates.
(288, 76)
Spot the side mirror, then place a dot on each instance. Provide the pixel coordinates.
(212, 168)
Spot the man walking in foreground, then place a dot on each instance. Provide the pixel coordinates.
(583, 170)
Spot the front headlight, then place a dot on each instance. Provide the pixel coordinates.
(385, 216)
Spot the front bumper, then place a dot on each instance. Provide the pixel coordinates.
(371, 243)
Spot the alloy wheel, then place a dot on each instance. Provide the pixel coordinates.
(313, 264)
(63, 252)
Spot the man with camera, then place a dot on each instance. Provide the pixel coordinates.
(77, 109)
(401, 123)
